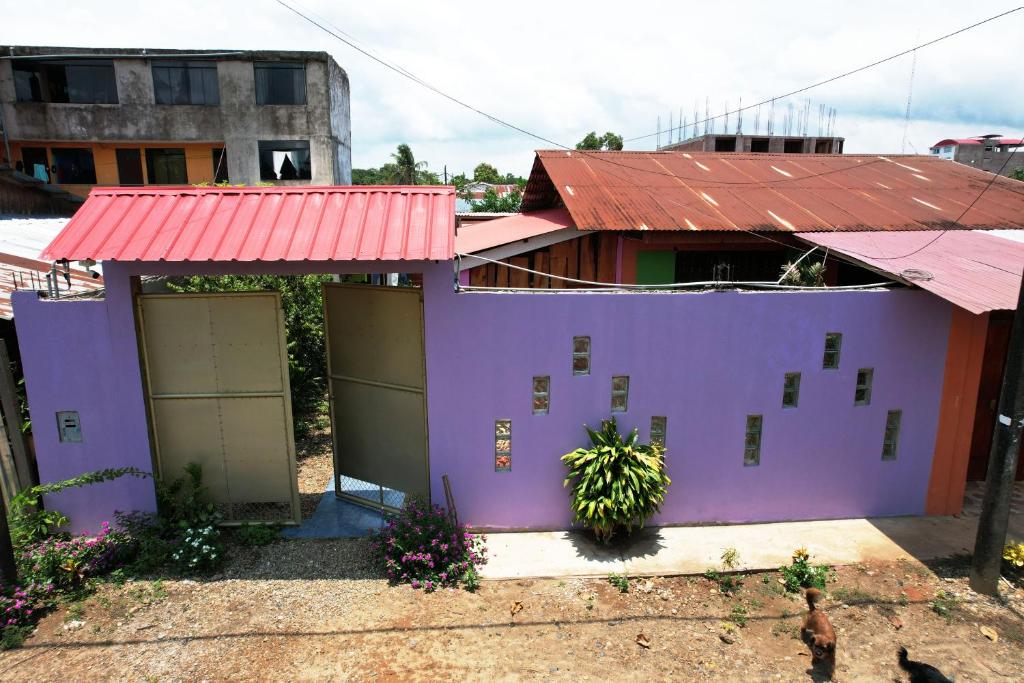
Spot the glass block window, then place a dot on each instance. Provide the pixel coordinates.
(503, 445)
(833, 342)
(791, 390)
(581, 355)
(658, 424)
(752, 442)
(541, 395)
(892, 434)
(862, 396)
(620, 393)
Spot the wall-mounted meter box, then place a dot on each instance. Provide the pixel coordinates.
(69, 426)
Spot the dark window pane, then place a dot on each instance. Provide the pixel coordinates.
(91, 83)
(36, 163)
(285, 160)
(833, 345)
(280, 82)
(166, 167)
(178, 82)
(220, 165)
(74, 166)
(129, 167)
(86, 81)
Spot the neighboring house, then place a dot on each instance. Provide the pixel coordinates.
(477, 190)
(772, 144)
(857, 398)
(985, 152)
(80, 117)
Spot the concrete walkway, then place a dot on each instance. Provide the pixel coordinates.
(691, 550)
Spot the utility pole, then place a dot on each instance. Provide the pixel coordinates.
(446, 174)
(1002, 465)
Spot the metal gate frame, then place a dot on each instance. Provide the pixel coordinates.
(332, 376)
(285, 393)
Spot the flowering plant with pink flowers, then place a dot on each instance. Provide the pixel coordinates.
(20, 606)
(422, 546)
(65, 561)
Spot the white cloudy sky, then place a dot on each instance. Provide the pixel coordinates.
(560, 69)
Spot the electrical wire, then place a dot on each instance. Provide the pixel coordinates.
(848, 73)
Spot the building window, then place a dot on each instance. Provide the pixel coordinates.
(220, 165)
(75, 166)
(285, 160)
(73, 81)
(581, 355)
(752, 441)
(503, 445)
(791, 390)
(541, 395)
(658, 426)
(862, 396)
(892, 434)
(833, 343)
(280, 82)
(129, 166)
(185, 82)
(620, 393)
(166, 166)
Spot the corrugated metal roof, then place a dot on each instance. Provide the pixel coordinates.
(973, 270)
(513, 228)
(28, 235)
(769, 192)
(976, 141)
(307, 223)
(18, 272)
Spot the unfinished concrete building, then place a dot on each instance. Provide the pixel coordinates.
(79, 117)
(774, 144)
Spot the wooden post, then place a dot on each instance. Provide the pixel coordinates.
(12, 418)
(8, 567)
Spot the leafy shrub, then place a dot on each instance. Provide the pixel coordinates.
(29, 521)
(421, 546)
(1013, 553)
(65, 561)
(620, 581)
(801, 574)
(739, 615)
(20, 607)
(616, 484)
(200, 550)
(151, 545)
(257, 534)
(185, 503)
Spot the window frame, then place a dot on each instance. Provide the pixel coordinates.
(271, 146)
(754, 428)
(621, 392)
(891, 434)
(837, 351)
(56, 162)
(865, 380)
(503, 450)
(270, 67)
(583, 355)
(54, 79)
(658, 430)
(190, 68)
(541, 395)
(151, 155)
(791, 390)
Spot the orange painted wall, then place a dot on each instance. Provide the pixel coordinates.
(964, 356)
(198, 159)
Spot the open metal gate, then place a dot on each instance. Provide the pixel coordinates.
(216, 371)
(376, 364)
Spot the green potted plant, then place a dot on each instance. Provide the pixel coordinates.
(617, 484)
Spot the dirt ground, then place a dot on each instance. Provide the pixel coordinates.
(315, 468)
(315, 610)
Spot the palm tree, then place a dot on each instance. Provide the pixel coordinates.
(406, 167)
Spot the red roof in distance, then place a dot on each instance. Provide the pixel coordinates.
(295, 223)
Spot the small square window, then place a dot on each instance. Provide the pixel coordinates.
(752, 441)
(658, 425)
(791, 390)
(862, 395)
(833, 343)
(581, 355)
(620, 393)
(503, 445)
(891, 439)
(541, 395)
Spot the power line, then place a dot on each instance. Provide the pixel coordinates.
(857, 70)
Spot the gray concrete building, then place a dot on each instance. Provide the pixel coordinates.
(78, 117)
(992, 153)
(774, 144)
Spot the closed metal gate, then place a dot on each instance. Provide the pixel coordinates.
(216, 369)
(377, 383)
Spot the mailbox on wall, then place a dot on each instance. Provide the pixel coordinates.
(69, 426)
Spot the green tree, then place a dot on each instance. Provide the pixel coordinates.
(492, 203)
(485, 173)
(1017, 174)
(608, 141)
(406, 167)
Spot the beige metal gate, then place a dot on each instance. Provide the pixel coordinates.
(376, 365)
(216, 370)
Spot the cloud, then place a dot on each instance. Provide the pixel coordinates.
(561, 69)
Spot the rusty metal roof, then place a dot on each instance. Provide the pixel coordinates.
(974, 270)
(513, 228)
(768, 192)
(18, 272)
(308, 223)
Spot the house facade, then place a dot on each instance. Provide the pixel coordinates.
(80, 117)
(991, 153)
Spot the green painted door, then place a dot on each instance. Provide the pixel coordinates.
(655, 267)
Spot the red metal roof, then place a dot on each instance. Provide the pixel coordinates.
(976, 141)
(360, 223)
(973, 270)
(518, 226)
(18, 272)
(768, 192)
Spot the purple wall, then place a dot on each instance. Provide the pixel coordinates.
(703, 360)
